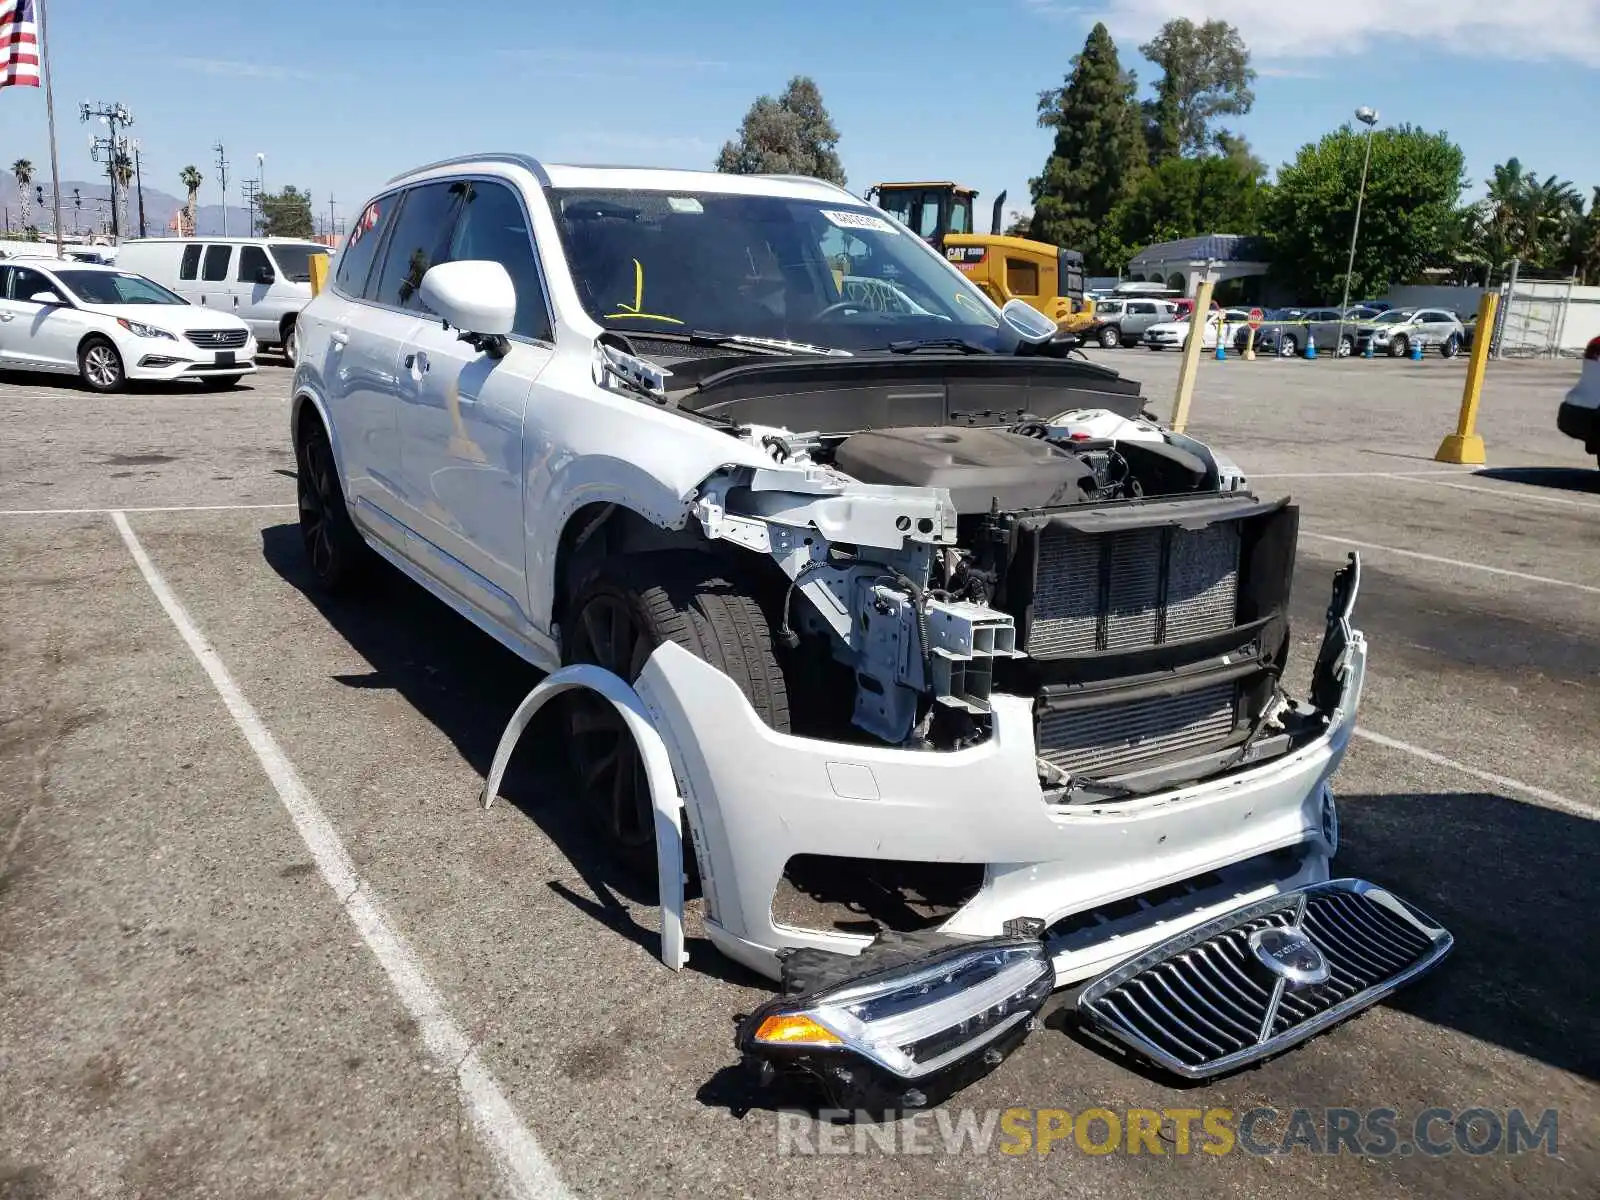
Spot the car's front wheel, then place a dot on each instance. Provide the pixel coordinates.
(339, 559)
(627, 608)
(1347, 346)
(291, 344)
(100, 366)
(1399, 346)
(1288, 347)
(1110, 337)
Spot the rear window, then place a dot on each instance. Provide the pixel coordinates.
(294, 261)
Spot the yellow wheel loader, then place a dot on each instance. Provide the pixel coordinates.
(1048, 277)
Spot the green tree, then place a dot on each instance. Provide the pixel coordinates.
(1205, 74)
(191, 179)
(1583, 248)
(23, 170)
(1098, 153)
(286, 213)
(1407, 220)
(792, 135)
(1523, 217)
(1186, 197)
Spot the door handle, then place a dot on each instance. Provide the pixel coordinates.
(339, 337)
(417, 362)
(8, 316)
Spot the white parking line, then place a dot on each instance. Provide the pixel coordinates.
(1504, 493)
(526, 1169)
(63, 512)
(1451, 562)
(1553, 799)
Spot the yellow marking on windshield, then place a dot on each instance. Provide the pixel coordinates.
(972, 306)
(636, 309)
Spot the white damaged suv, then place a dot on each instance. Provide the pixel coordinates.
(965, 670)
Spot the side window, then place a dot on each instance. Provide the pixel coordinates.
(421, 238)
(492, 226)
(190, 266)
(5, 282)
(1022, 278)
(252, 261)
(1110, 307)
(215, 268)
(1141, 308)
(26, 283)
(355, 264)
(928, 222)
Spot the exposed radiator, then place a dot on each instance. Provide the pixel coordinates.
(1124, 591)
(1109, 738)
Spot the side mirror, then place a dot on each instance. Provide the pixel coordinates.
(477, 297)
(46, 298)
(1027, 322)
(265, 275)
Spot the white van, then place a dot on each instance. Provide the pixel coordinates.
(265, 282)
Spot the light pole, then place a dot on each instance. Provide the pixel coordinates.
(138, 177)
(1369, 118)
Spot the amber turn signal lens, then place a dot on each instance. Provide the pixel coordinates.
(795, 1029)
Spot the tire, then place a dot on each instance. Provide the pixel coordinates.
(1288, 347)
(1347, 347)
(1399, 346)
(291, 344)
(100, 366)
(340, 561)
(1110, 337)
(618, 617)
(1451, 347)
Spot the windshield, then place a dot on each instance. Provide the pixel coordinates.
(294, 262)
(835, 275)
(1395, 316)
(116, 287)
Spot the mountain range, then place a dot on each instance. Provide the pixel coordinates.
(159, 208)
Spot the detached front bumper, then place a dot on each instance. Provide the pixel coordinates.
(1108, 880)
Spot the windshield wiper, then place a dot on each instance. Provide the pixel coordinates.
(911, 346)
(702, 337)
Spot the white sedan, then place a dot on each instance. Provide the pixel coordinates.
(108, 326)
(1171, 334)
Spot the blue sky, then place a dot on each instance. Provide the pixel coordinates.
(339, 96)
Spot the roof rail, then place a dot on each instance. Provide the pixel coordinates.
(808, 179)
(525, 161)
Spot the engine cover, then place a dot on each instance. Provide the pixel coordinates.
(977, 466)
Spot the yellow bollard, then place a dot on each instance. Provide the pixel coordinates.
(1191, 357)
(319, 273)
(1250, 345)
(1465, 446)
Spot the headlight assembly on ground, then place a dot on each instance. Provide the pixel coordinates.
(906, 1028)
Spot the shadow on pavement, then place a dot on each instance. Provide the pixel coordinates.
(1565, 479)
(1516, 884)
(468, 685)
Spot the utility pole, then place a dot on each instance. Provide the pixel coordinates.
(222, 180)
(331, 222)
(77, 207)
(138, 178)
(112, 116)
(250, 189)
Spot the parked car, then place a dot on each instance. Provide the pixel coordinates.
(1286, 332)
(1393, 331)
(1170, 335)
(108, 325)
(1579, 414)
(1121, 321)
(263, 281)
(812, 584)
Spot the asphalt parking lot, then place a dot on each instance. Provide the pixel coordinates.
(194, 746)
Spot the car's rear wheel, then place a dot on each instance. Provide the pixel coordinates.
(100, 366)
(340, 561)
(1110, 337)
(627, 608)
(1451, 347)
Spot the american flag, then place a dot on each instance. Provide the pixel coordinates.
(19, 44)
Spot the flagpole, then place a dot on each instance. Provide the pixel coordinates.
(50, 114)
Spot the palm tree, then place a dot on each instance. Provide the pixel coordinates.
(1525, 217)
(122, 172)
(191, 178)
(23, 170)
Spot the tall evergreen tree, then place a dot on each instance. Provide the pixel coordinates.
(1098, 153)
(792, 135)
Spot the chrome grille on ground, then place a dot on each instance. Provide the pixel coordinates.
(1205, 1002)
(1109, 737)
(217, 339)
(1124, 591)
